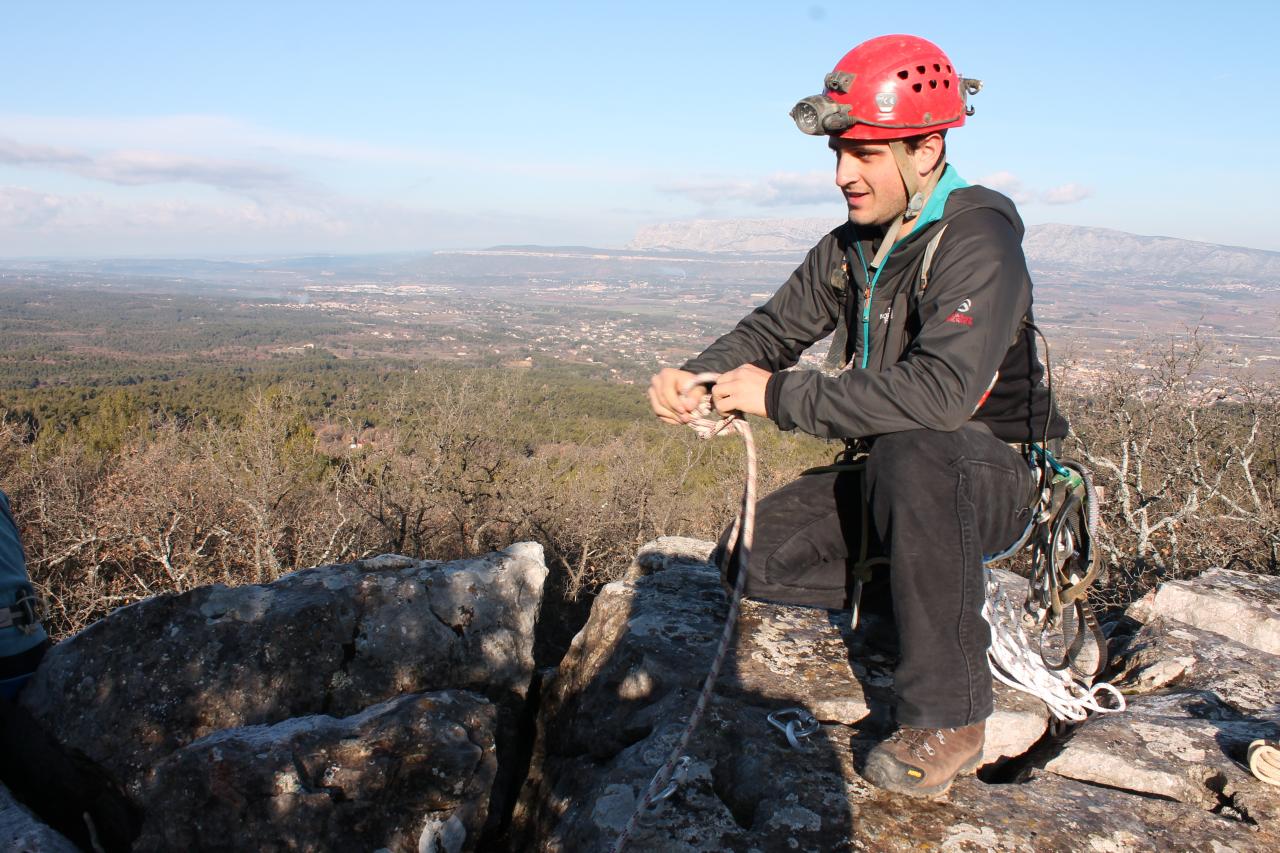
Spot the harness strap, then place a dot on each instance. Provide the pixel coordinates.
(22, 613)
(836, 355)
(863, 566)
(929, 251)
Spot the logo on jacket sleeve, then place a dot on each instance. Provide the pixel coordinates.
(961, 314)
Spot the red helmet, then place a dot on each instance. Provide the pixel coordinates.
(890, 87)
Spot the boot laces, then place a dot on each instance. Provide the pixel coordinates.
(917, 740)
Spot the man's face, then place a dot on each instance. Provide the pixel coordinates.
(868, 176)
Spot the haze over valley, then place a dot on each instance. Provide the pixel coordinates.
(1101, 296)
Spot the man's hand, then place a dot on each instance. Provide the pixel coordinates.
(741, 390)
(666, 399)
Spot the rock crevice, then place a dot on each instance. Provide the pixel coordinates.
(394, 704)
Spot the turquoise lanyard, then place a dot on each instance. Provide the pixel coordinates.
(871, 289)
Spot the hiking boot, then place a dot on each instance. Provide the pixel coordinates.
(924, 762)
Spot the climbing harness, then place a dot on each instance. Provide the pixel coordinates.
(1060, 536)
(707, 423)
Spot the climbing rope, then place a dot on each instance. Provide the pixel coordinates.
(707, 423)
(1264, 761)
(1016, 662)
(1063, 567)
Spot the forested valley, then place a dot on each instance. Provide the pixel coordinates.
(156, 465)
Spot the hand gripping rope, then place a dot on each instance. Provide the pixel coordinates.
(707, 423)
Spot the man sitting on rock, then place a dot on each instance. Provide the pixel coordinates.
(928, 293)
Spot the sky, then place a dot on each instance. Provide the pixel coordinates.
(276, 128)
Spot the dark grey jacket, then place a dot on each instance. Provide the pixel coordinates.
(916, 359)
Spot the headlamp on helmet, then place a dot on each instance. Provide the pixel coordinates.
(818, 115)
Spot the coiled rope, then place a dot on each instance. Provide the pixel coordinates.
(1264, 761)
(707, 423)
(1014, 660)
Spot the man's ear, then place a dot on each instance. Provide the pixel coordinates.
(928, 154)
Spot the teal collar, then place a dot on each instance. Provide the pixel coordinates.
(937, 202)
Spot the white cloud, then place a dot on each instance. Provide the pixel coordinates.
(809, 188)
(37, 223)
(779, 190)
(143, 167)
(215, 135)
(1009, 184)
(24, 209)
(1066, 194)
(1012, 186)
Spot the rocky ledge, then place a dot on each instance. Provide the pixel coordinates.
(1165, 775)
(372, 705)
(389, 704)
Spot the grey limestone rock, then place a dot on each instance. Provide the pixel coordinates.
(329, 640)
(142, 692)
(405, 775)
(622, 695)
(1165, 653)
(1242, 606)
(1197, 700)
(23, 832)
(1184, 746)
(745, 792)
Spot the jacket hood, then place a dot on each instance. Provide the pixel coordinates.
(959, 197)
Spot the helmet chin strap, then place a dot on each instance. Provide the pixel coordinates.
(917, 194)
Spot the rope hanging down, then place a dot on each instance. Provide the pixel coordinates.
(707, 423)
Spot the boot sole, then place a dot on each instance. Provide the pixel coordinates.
(888, 782)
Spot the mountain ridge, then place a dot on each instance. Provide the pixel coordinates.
(1051, 246)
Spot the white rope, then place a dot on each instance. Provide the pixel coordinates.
(1264, 761)
(1014, 662)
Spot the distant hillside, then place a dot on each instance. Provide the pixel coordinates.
(1101, 251)
(732, 235)
(1105, 250)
